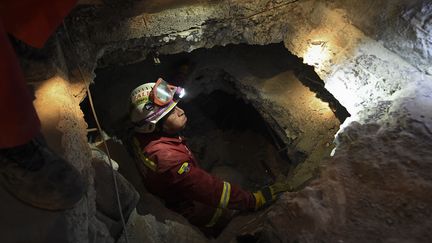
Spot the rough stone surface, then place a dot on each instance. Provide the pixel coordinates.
(147, 229)
(106, 198)
(365, 193)
(404, 27)
(63, 126)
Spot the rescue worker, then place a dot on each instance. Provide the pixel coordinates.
(29, 169)
(169, 169)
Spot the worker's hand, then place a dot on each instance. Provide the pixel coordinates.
(266, 196)
(279, 187)
(269, 194)
(263, 198)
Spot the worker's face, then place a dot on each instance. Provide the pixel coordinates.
(175, 121)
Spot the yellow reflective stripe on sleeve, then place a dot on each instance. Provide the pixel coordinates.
(223, 203)
(147, 162)
(215, 217)
(226, 193)
(183, 168)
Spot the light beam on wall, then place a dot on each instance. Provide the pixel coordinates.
(316, 53)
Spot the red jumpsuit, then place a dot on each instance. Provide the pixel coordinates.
(31, 21)
(171, 172)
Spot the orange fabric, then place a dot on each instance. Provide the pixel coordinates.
(181, 191)
(33, 21)
(18, 120)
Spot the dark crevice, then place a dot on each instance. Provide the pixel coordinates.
(310, 78)
(233, 119)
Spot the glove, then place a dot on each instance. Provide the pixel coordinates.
(279, 187)
(263, 198)
(269, 194)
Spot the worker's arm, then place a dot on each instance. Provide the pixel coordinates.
(178, 172)
(199, 185)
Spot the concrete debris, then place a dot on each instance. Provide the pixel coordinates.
(145, 228)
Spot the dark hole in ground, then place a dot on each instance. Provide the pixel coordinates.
(310, 78)
(228, 135)
(228, 112)
(231, 139)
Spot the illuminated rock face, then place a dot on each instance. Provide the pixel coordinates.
(374, 57)
(335, 38)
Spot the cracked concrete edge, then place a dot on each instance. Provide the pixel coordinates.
(166, 27)
(346, 41)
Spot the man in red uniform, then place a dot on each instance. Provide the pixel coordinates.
(28, 168)
(170, 170)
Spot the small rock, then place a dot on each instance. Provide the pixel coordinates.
(421, 206)
(389, 221)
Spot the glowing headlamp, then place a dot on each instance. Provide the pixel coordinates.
(163, 93)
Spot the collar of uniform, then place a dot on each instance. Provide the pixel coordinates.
(160, 137)
(177, 139)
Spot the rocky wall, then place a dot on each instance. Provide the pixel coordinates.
(324, 33)
(57, 101)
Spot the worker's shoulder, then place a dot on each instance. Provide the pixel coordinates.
(167, 155)
(154, 144)
(163, 146)
(170, 160)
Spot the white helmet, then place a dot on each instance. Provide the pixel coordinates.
(151, 102)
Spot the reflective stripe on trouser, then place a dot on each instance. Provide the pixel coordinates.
(223, 203)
